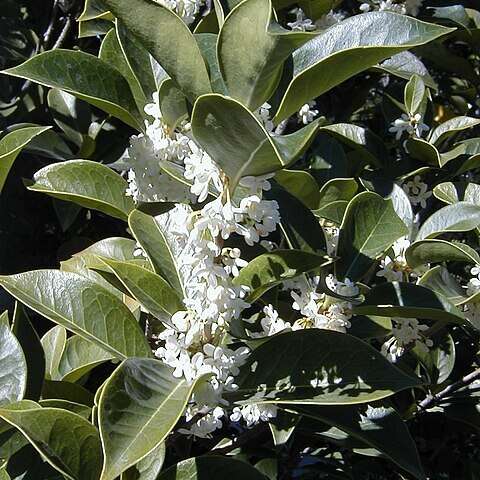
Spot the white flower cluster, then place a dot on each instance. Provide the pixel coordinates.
(318, 309)
(412, 124)
(307, 113)
(417, 191)
(395, 269)
(304, 24)
(406, 334)
(150, 151)
(405, 7)
(186, 9)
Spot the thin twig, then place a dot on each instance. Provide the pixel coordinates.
(466, 380)
(63, 33)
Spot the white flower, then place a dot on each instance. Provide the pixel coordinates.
(186, 9)
(307, 113)
(301, 23)
(412, 124)
(329, 19)
(417, 191)
(255, 413)
(271, 323)
(257, 184)
(263, 114)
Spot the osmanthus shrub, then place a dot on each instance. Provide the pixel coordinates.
(281, 271)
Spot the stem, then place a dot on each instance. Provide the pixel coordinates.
(466, 380)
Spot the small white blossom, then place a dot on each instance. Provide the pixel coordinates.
(301, 23)
(255, 413)
(263, 114)
(329, 19)
(412, 124)
(417, 191)
(307, 113)
(186, 9)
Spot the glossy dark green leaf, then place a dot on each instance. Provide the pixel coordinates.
(33, 351)
(452, 126)
(273, 268)
(83, 411)
(89, 184)
(300, 184)
(301, 228)
(318, 367)
(404, 65)
(252, 74)
(53, 343)
(138, 407)
(371, 326)
(160, 246)
(49, 144)
(11, 145)
(13, 378)
(369, 228)
(81, 306)
(441, 281)
(435, 250)
(71, 114)
(244, 147)
(314, 9)
(333, 211)
(378, 426)
(85, 76)
(453, 192)
(152, 292)
(414, 94)
(346, 49)
(210, 467)
(459, 217)
(407, 300)
(79, 357)
(328, 160)
(173, 45)
(70, 443)
(111, 52)
(365, 142)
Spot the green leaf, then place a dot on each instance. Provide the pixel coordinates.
(53, 343)
(13, 379)
(33, 351)
(450, 127)
(333, 211)
(369, 228)
(422, 150)
(414, 93)
(11, 145)
(82, 307)
(173, 45)
(71, 114)
(453, 192)
(440, 281)
(379, 427)
(252, 74)
(173, 104)
(86, 183)
(348, 48)
(273, 268)
(319, 367)
(404, 65)
(148, 288)
(149, 467)
(208, 46)
(337, 189)
(111, 52)
(328, 160)
(70, 443)
(211, 467)
(314, 9)
(71, 392)
(459, 217)
(161, 247)
(299, 224)
(434, 250)
(300, 184)
(85, 76)
(83, 410)
(79, 357)
(244, 147)
(138, 407)
(407, 300)
(365, 142)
